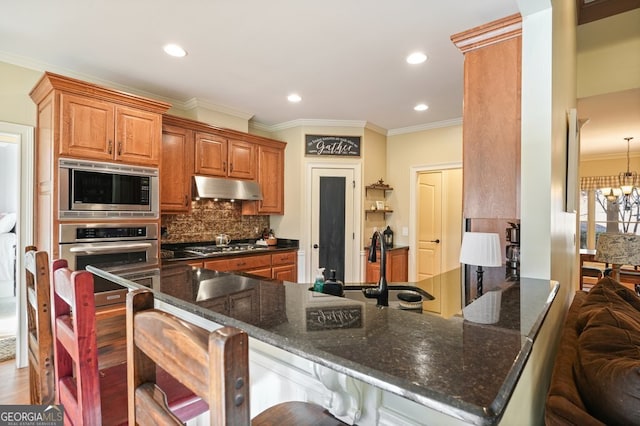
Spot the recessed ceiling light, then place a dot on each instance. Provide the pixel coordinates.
(174, 50)
(421, 107)
(416, 58)
(294, 97)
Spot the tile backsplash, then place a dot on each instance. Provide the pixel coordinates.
(209, 218)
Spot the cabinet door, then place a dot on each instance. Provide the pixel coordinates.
(87, 128)
(242, 160)
(271, 179)
(138, 136)
(398, 266)
(176, 169)
(285, 273)
(243, 306)
(217, 304)
(373, 272)
(211, 155)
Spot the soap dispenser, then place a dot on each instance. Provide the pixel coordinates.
(333, 286)
(318, 285)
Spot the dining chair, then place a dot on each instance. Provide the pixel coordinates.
(40, 338)
(214, 365)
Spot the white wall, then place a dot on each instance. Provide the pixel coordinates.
(8, 176)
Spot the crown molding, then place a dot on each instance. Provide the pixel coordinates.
(427, 126)
(311, 122)
(490, 33)
(201, 103)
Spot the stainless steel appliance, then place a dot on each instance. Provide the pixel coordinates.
(109, 245)
(104, 190)
(229, 249)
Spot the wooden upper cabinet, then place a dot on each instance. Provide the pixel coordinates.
(101, 124)
(138, 135)
(242, 159)
(219, 156)
(87, 127)
(211, 155)
(491, 118)
(176, 169)
(100, 130)
(271, 179)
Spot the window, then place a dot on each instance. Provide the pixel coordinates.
(608, 213)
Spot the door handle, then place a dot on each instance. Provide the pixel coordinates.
(315, 246)
(435, 241)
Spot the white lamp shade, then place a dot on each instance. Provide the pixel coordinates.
(481, 249)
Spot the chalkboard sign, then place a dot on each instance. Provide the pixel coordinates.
(330, 318)
(341, 146)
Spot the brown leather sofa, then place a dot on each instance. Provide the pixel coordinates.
(596, 375)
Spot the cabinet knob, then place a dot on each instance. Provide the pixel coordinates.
(119, 148)
(110, 148)
(315, 246)
(435, 241)
(224, 166)
(230, 167)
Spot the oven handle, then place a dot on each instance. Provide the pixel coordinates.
(111, 248)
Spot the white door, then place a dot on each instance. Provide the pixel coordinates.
(333, 223)
(429, 261)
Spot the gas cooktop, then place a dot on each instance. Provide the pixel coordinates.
(230, 248)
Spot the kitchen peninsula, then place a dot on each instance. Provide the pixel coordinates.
(365, 364)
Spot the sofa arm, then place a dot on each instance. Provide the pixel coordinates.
(564, 405)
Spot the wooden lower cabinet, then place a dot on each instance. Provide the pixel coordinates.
(397, 266)
(284, 266)
(242, 305)
(281, 266)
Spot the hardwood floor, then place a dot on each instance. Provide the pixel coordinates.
(14, 383)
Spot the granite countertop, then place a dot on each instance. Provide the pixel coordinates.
(464, 369)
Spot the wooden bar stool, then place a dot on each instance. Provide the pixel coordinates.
(40, 338)
(92, 395)
(89, 397)
(214, 365)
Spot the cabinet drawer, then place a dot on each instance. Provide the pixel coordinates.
(283, 258)
(249, 262)
(217, 265)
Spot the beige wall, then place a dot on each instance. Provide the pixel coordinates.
(608, 166)
(608, 58)
(427, 149)
(15, 104)
(548, 248)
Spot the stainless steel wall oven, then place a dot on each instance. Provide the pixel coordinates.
(115, 246)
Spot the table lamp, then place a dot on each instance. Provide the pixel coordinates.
(618, 249)
(480, 249)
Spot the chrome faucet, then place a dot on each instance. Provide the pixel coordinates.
(381, 292)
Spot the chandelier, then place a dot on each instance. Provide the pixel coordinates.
(625, 196)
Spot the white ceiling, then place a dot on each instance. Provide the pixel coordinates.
(611, 117)
(345, 58)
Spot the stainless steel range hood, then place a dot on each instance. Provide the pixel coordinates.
(225, 189)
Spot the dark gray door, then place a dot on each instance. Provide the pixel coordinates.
(332, 228)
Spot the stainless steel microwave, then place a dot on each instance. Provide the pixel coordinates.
(91, 189)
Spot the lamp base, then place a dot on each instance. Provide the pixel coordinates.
(480, 273)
